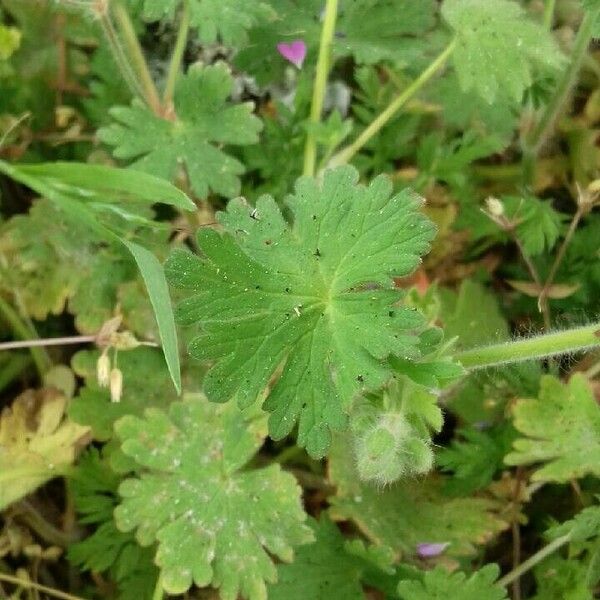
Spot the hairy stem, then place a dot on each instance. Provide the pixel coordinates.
(137, 56)
(542, 346)
(395, 105)
(119, 56)
(59, 341)
(538, 557)
(23, 331)
(540, 132)
(177, 56)
(31, 585)
(323, 64)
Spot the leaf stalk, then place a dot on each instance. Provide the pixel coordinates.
(320, 86)
(177, 56)
(395, 105)
(542, 346)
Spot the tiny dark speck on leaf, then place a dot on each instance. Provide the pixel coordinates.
(314, 217)
(287, 290)
(391, 313)
(360, 379)
(268, 242)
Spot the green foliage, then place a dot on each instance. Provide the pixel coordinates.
(585, 525)
(409, 512)
(94, 486)
(10, 38)
(330, 568)
(204, 121)
(225, 20)
(498, 47)
(145, 384)
(439, 584)
(214, 521)
(475, 459)
(318, 294)
(561, 430)
(561, 579)
(383, 36)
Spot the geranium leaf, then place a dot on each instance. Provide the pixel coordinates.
(498, 46)
(316, 296)
(215, 521)
(561, 430)
(204, 121)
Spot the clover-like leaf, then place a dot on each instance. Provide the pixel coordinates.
(439, 584)
(226, 20)
(409, 512)
(498, 47)
(316, 296)
(215, 521)
(561, 429)
(204, 121)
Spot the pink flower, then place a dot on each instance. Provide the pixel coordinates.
(429, 550)
(295, 52)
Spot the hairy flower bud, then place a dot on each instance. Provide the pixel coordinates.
(103, 370)
(116, 384)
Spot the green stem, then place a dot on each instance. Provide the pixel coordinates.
(543, 346)
(119, 56)
(538, 557)
(14, 367)
(323, 64)
(549, 13)
(22, 331)
(347, 153)
(137, 56)
(177, 57)
(540, 132)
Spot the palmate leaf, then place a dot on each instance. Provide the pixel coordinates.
(205, 120)
(225, 20)
(316, 296)
(560, 429)
(439, 584)
(216, 522)
(498, 47)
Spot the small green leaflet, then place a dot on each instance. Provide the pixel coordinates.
(498, 47)
(10, 39)
(439, 584)
(560, 429)
(216, 522)
(583, 526)
(315, 296)
(225, 20)
(204, 121)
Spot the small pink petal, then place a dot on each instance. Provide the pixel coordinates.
(295, 52)
(432, 549)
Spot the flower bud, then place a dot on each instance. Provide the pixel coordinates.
(103, 370)
(494, 207)
(116, 384)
